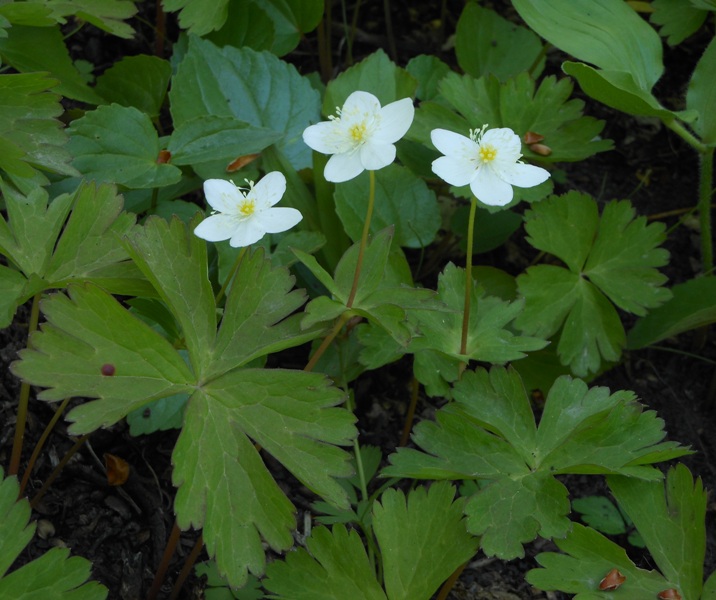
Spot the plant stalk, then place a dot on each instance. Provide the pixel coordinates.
(468, 281)
(24, 399)
(186, 569)
(363, 240)
(231, 275)
(327, 341)
(41, 443)
(58, 469)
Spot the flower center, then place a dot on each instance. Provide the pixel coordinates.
(357, 132)
(247, 207)
(487, 153)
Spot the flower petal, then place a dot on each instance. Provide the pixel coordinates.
(278, 219)
(395, 120)
(216, 228)
(270, 189)
(453, 144)
(506, 142)
(490, 189)
(523, 175)
(343, 167)
(456, 171)
(327, 137)
(375, 156)
(247, 232)
(360, 102)
(222, 195)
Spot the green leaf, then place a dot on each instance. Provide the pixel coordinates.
(427, 70)
(247, 25)
(140, 81)
(208, 138)
(290, 414)
(488, 339)
(291, 19)
(677, 19)
(12, 285)
(160, 415)
(609, 35)
(402, 200)
(30, 134)
(692, 306)
(255, 87)
(107, 15)
(609, 259)
(486, 43)
(376, 74)
(618, 90)
(224, 485)
(701, 95)
(671, 520)
(53, 575)
(199, 16)
(521, 106)
(334, 566)
(488, 432)
(119, 144)
(423, 541)
(599, 513)
(589, 557)
(30, 49)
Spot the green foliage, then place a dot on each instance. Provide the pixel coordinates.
(519, 104)
(692, 306)
(376, 74)
(489, 433)
(32, 49)
(488, 44)
(670, 517)
(677, 19)
(402, 200)
(228, 404)
(423, 540)
(43, 255)
(52, 576)
(427, 70)
(254, 87)
(611, 259)
(119, 144)
(599, 513)
(139, 81)
(107, 15)
(30, 134)
(701, 95)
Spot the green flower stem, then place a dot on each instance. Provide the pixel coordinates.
(468, 280)
(41, 443)
(24, 399)
(231, 275)
(337, 242)
(363, 240)
(706, 174)
(327, 340)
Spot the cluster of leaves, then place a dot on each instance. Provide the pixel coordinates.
(197, 360)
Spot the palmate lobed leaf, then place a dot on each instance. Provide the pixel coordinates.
(670, 517)
(108, 15)
(489, 432)
(289, 413)
(88, 248)
(53, 575)
(519, 105)
(422, 539)
(612, 259)
(30, 134)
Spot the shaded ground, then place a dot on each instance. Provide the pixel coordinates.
(122, 530)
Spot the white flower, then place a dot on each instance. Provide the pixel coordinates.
(488, 160)
(245, 217)
(362, 136)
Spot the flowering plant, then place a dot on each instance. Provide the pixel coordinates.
(143, 318)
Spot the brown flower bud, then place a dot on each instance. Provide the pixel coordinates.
(612, 580)
(670, 594)
(164, 157)
(240, 162)
(532, 138)
(541, 149)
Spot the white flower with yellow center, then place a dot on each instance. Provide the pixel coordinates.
(362, 136)
(245, 216)
(488, 160)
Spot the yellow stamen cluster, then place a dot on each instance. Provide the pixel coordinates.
(357, 132)
(247, 207)
(487, 153)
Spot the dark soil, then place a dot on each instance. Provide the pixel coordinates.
(122, 530)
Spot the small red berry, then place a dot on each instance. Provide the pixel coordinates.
(107, 370)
